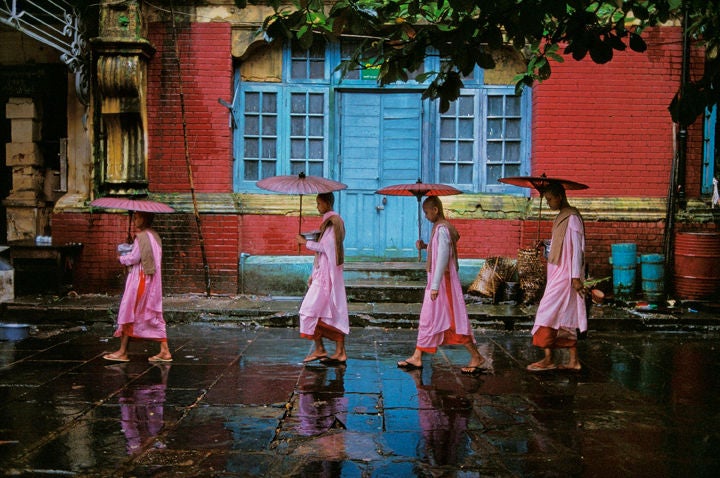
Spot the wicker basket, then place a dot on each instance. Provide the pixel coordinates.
(532, 274)
(494, 272)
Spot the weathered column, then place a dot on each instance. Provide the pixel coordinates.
(121, 135)
(28, 214)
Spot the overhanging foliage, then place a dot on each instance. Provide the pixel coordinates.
(397, 35)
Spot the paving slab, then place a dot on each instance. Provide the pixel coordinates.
(237, 402)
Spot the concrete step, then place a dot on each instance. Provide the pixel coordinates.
(287, 276)
(387, 271)
(385, 281)
(376, 290)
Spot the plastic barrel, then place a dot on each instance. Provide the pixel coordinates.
(652, 272)
(697, 265)
(624, 260)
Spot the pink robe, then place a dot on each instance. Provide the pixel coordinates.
(561, 307)
(145, 313)
(325, 298)
(436, 316)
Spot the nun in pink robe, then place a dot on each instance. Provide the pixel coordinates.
(323, 312)
(443, 317)
(141, 308)
(561, 312)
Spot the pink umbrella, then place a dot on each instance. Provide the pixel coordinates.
(300, 184)
(131, 205)
(419, 189)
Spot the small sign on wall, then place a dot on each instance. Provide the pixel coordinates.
(370, 72)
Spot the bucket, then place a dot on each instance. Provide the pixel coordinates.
(697, 269)
(652, 272)
(624, 260)
(13, 332)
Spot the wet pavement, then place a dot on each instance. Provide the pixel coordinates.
(236, 402)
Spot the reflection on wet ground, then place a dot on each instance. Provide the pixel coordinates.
(236, 402)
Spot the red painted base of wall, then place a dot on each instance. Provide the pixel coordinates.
(225, 237)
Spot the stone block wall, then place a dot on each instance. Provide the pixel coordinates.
(27, 213)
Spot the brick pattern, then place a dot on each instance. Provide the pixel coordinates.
(274, 234)
(206, 75)
(99, 271)
(608, 125)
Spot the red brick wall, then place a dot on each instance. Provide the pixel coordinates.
(183, 255)
(608, 126)
(265, 235)
(97, 269)
(207, 74)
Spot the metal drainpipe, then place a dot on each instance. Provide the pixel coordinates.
(683, 132)
(676, 193)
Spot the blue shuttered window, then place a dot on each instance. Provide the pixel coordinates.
(482, 137)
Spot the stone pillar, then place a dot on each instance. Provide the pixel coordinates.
(121, 136)
(28, 214)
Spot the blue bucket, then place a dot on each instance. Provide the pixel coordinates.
(624, 260)
(652, 272)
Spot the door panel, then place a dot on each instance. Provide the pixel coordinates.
(380, 145)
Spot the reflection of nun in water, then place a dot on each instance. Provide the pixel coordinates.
(322, 402)
(141, 410)
(443, 418)
(323, 407)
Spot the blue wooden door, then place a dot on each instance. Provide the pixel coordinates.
(380, 144)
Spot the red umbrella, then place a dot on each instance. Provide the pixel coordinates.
(540, 183)
(300, 184)
(131, 205)
(419, 189)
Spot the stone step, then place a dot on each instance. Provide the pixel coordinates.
(385, 271)
(384, 290)
(365, 280)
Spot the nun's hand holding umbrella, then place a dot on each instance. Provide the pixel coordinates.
(132, 204)
(419, 189)
(300, 184)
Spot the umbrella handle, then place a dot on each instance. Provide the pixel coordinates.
(539, 218)
(419, 228)
(130, 221)
(300, 223)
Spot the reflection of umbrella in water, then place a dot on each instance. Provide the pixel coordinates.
(541, 183)
(131, 205)
(300, 184)
(418, 189)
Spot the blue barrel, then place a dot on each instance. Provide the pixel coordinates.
(624, 260)
(652, 272)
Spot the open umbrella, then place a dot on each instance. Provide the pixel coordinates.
(131, 204)
(300, 184)
(540, 183)
(418, 189)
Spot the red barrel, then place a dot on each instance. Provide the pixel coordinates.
(697, 265)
